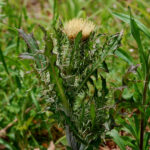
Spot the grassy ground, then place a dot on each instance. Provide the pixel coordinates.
(24, 119)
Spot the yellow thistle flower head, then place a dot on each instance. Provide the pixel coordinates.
(74, 26)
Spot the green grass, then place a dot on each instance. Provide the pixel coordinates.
(20, 88)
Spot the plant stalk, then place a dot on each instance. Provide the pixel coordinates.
(72, 142)
(142, 130)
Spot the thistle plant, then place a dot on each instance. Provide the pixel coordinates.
(70, 69)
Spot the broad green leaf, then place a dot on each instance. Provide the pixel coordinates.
(126, 18)
(117, 139)
(62, 140)
(124, 56)
(136, 34)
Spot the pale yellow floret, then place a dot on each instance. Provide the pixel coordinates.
(74, 26)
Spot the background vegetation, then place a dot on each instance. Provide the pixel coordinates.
(24, 117)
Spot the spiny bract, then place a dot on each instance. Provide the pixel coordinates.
(74, 26)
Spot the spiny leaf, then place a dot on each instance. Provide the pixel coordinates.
(28, 39)
(54, 72)
(32, 44)
(114, 44)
